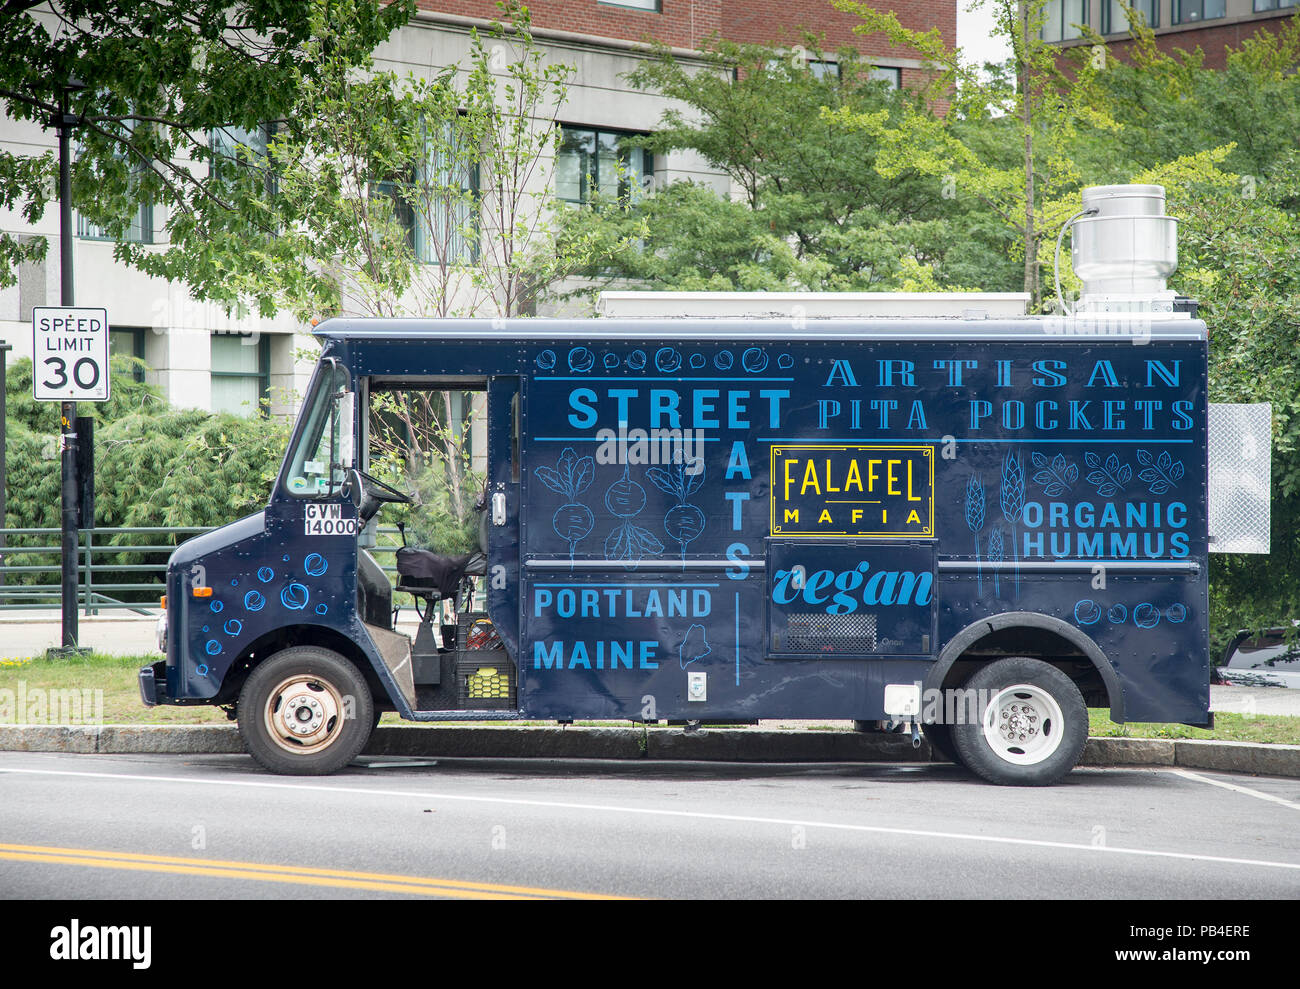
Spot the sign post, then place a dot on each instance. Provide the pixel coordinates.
(70, 364)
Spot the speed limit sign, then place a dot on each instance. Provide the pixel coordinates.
(70, 354)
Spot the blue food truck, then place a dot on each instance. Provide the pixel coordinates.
(980, 526)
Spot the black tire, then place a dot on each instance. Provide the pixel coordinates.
(327, 733)
(1037, 734)
(941, 744)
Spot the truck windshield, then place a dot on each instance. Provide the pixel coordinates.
(319, 460)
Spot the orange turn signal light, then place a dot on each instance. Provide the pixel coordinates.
(203, 592)
(162, 601)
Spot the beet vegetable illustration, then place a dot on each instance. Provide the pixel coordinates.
(628, 541)
(684, 521)
(572, 475)
(625, 498)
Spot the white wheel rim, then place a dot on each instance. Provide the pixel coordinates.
(1023, 725)
(304, 714)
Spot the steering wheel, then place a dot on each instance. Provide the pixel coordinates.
(380, 491)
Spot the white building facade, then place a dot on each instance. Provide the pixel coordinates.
(203, 358)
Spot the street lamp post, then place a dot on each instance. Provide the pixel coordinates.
(66, 121)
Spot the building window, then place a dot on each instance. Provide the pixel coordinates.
(890, 76)
(1192, 11)
(1274, 4)
(241, 372)
(128, 342)
(1062, 18)
(436, 203)
(1115, 21)
(235, 148)
(138, 231)
(653, 6)
(823, 69)
(594, 163)
(139, 227)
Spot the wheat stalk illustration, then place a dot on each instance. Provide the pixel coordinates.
(975, 522)
(995, 557)
(1012, 500)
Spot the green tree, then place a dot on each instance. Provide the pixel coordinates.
(1237, 257)
(159, 76)
(1169, 104)
(155, 465)
(813, 210)
(395, 194)
(1012, 134)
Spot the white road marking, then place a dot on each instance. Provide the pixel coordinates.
(1258, 794)
(664, 812)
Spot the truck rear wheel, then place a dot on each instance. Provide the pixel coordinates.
(305, 711)
(1032, 728)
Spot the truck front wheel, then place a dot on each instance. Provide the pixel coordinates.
(1032, 728)
(305, 711)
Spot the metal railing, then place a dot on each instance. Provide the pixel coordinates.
(96, 556)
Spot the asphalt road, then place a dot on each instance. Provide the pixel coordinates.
(88, 827)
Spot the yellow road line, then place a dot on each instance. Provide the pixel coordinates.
(300, 875)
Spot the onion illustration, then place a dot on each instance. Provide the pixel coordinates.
(294, 596)
(754, 360)
(723, 360)
(1087, 612)
(254, 601)
(1118, 614)
(785, 362)
(1176, 613)
(697, 361)
(581, 360)
(668, 360)
(636, 360)
(546, 360)
(1146, 616)
(610, 360)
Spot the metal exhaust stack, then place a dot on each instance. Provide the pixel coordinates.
(1123, 249)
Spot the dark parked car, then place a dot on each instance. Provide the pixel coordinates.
(1267, 659)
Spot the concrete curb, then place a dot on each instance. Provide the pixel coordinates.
(708, 745)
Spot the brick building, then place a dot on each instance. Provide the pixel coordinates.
(1211, 25)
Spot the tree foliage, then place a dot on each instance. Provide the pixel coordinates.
(812, 208)
(159, 76)
(155, 465)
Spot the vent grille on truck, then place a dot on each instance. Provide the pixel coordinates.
(814, 632)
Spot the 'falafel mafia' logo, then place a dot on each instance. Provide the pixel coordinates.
(833, 490)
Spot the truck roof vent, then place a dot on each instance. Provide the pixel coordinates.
(1123, 249)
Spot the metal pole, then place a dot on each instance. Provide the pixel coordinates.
(4, 384)
(68, 419)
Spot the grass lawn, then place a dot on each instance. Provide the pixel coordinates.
(116, 677)
(1277, 728)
